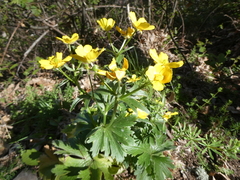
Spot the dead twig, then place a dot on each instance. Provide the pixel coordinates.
(110, 6)
(19, 166)
(9, 41)
(167, 15)
(233, 22)
(30, 49)
(55, 29)
(34, 44)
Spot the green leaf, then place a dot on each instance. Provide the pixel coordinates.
(63, 172)
(151, 159)
(71, 165)
(103, 163)
(100, 167)
(48, 160)
(142, 174)
(85, 174)
(13, 66)
(27, 72)
(74, 103)
(134, 104)
(161, 167)
(31, 157)
(77, 150)
(110, 138)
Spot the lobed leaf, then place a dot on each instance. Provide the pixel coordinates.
(111, 138)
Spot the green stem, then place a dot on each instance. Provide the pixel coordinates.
(70, 79)
(135, 90)
(109, 88)
(115, 104)
(75, 81)
(69, 48)
(110, 41)
(123, 45)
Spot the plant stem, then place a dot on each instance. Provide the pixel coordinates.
(135, 90)
(75, 81)
(115, 104)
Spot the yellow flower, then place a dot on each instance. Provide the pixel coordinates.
(141, 23)
(129, 112)
(141, 114)
(68, 40)
(86, 53)
(159, 75)
(54, 61)
(168, 115)
(106, 24)
(126, 34)
(115, 73)
(133, 79)
(162, 58)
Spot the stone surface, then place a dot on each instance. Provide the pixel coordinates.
(26, 175)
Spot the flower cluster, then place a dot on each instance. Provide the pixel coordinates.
(85, 54)
(158, 75)
(140, 25)
(161, 73)
(118, 117)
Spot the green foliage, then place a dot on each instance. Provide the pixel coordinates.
(107, 136)
(6, 168)
(30, 157)
(151, 160)
(213, 144)
(93, 1)
(28, 5)
(114, 128)
(40, 111)
(111, 138)
(189, 133)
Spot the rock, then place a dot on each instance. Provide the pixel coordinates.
(26, 174)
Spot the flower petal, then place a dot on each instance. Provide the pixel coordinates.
(163, 58)
(175, 64)
(132, 16)
(111, 75)
(120, 74)
(58, 56)
(102, 72)
(68, 58)
(150, 73)
(45, 64)
(125, 64)
(153, 54)
(106, 24)
(113, 66)
(141, 114)
(157, 85)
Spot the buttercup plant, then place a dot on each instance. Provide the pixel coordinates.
(115, 129)
(69, 40)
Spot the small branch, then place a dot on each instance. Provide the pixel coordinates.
(9, 41)
(30, 48)
(55, 29)
(34, 44)
(233, 22)
(111, 6)
(171, 35)
(149, 11)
